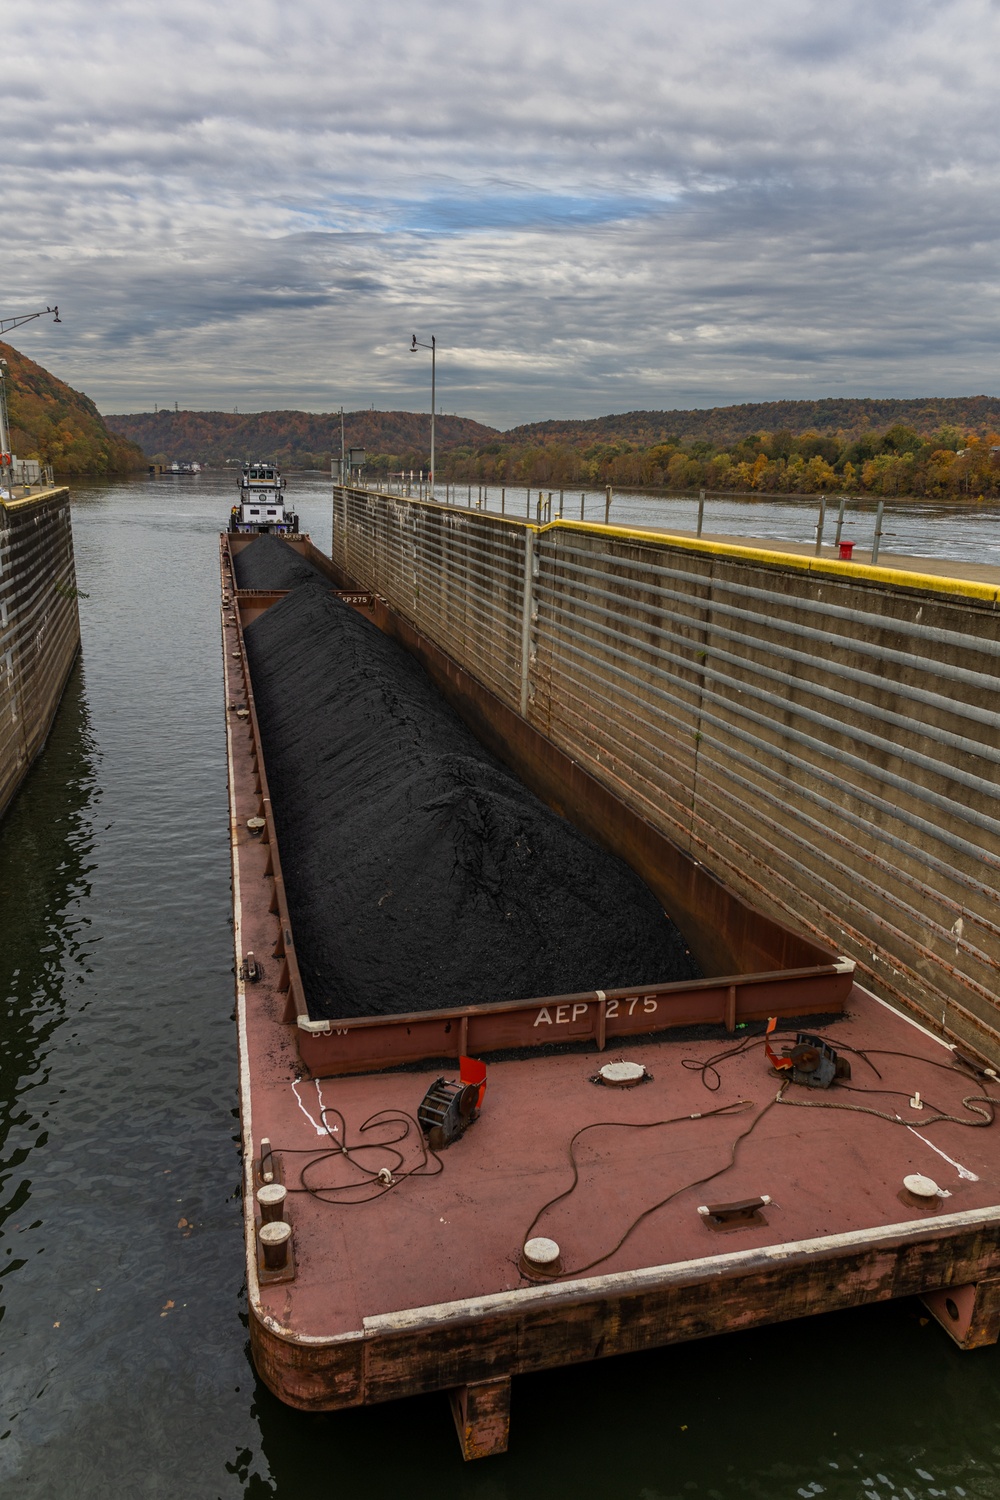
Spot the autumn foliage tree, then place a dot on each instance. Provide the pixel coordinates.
(52, 422)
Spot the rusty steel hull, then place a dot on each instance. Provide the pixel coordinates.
(421, 1289)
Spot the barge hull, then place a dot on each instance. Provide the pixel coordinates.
(422, 1290)
(466, 1343)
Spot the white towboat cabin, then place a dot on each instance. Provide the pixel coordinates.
(261, 504)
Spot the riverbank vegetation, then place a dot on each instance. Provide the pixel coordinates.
(936, 447)
(898, 461)
(57, 425)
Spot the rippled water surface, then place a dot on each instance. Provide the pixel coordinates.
(921, 528)
(123, 1347)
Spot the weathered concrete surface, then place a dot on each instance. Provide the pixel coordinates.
(823, 736)
(905, 562)
(39, 626)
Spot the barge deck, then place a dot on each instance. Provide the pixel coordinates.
(416, 1283)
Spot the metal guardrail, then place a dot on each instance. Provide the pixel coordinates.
(812, 737)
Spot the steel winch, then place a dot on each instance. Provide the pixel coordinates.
(448, 1108)
(811, 1061)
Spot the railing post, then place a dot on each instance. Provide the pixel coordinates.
(607, 504)
(527, 605)
(840, 520)
(820, 524)
(877, 543)
(701, 511)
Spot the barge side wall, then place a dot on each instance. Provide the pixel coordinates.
(821, 735)
(39, 626)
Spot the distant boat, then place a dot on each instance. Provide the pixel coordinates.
(261, 505)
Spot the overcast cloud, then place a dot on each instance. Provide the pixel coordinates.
(593, 207)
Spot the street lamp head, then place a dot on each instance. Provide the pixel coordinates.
(55, 310)
(413, 346)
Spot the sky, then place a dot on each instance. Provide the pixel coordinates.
(592, 207)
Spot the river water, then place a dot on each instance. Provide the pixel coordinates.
(124, 1366)
(920, 528)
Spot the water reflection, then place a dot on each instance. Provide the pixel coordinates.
(45, 846)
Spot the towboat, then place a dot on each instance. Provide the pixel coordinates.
(261, 505)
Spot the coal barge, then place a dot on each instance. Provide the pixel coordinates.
(626, 1166)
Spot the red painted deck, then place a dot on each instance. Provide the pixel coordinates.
(458, 1235)
(421, 1289)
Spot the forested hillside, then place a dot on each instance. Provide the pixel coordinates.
(51, 421)
(294, 438)
(724, 425)
(936, 446)
(894, 461)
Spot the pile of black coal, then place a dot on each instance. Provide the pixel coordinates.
(270, 563)
(420, 872)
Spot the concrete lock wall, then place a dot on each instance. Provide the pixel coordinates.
(39, 626)
(821, 735)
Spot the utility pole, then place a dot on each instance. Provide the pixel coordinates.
(432, 346)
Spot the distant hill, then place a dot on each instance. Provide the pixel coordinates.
(299, 438)
(722, 425)
(308, 439)
(51, 421)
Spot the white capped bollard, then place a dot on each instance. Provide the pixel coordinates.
(271, 1200)
(274, 1240)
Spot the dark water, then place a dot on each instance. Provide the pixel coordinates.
(123, 1348)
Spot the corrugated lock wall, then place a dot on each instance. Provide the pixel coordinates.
(39, 626)
(823, 737)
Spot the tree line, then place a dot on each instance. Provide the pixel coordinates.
(899, 461)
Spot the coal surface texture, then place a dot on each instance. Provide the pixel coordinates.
(270, 563)
(420, 872)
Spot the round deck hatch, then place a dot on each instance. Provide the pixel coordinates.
(540, 1257)
(622, 1075)
(923, 1187)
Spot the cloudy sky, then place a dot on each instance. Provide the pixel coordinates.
(594, 207)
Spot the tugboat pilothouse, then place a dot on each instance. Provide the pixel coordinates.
(261, 505)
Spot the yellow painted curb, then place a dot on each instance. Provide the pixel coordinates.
(56, 489)
(966, 588)
(828, 567)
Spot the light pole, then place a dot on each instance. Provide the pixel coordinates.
(6, 465)
(6, 324)
(432, 346)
